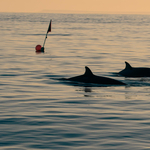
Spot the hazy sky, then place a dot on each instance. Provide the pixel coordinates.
(108, 6)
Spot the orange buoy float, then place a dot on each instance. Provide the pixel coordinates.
(38, 48)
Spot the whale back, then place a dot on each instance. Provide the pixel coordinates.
(88, 74)
(130, 71)
(89, 77)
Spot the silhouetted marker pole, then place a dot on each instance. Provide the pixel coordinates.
(49, 30)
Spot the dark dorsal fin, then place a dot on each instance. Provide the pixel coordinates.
(128, 66)
(88, 72)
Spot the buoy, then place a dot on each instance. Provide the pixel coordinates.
(38, 48)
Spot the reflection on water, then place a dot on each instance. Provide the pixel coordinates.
(38, 111)
(87, 89)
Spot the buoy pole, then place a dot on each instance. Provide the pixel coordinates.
(49, 30)
(42, 48)
(45, 39)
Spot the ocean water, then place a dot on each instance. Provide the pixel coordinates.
(38, 111)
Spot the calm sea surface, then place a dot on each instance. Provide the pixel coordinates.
(38, 111)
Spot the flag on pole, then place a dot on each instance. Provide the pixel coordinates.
(49, 28)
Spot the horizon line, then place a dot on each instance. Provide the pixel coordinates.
(80, 12)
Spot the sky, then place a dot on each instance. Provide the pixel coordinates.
(76, 6)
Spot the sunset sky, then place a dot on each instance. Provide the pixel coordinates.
(75, 6)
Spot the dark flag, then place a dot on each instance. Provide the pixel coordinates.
(49, 28)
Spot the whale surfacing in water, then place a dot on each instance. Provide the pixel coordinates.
(89, 77)
(130, 71)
